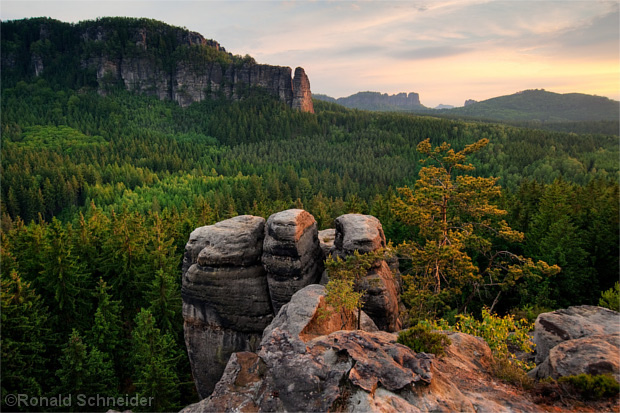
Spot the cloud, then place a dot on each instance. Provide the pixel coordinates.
(431, 52)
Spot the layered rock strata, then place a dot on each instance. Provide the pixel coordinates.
(239, 273)
(188, 84)
(225, 294)
(187, 69)
(292, 256)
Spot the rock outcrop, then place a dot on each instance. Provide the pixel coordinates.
(240, 273)
(553, 328)
(378, 101)
(292, 256)
(326, 240)
(226, 303)
(155, 59)
(357, 232)
(364, 234)
(581, 339)
(599, 354)
(357, 371)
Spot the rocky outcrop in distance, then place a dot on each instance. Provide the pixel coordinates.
(153, 58)
(377, 101)
(187, 84)
(240, 273)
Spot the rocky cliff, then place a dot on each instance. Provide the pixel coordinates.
(148, 57)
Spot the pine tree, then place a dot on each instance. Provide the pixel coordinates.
(106, 331)
(154, 361)
(461, 235)
(25, 334)
(85, 371)
(165, 299)
(64, 278)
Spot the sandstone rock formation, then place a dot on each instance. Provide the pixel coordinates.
(165, 61)
(598, 354)
(357, 371)
(226, 303)
(326, 240)
(364, 234)
(188, 84)
(552, 328)
(292, 256)
(378, 101)
(302, 97)
(575, 340)
(357, 232)
(240, 273)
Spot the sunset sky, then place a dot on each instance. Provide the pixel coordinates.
(445, 50)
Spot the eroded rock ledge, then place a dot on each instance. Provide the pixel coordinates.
(356, 370)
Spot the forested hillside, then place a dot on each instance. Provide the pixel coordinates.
(540, 105)
(99, 195)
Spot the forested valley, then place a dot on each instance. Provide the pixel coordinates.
(99, 195)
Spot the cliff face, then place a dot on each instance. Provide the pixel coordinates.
(148, 57)
(186, 85)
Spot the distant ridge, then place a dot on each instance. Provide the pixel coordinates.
(377, 101)
(540, 105)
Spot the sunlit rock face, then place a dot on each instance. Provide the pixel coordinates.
(292, 255)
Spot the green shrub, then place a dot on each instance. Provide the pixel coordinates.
(421, 339)
(593, 386)
(611, 298)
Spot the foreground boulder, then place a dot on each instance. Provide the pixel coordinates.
(590, 355)
(575, 340)
(297, 370)
(364, 234)
(571, 323)
(226, 303)
(291, 256)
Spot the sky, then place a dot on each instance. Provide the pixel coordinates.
(445, 50)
